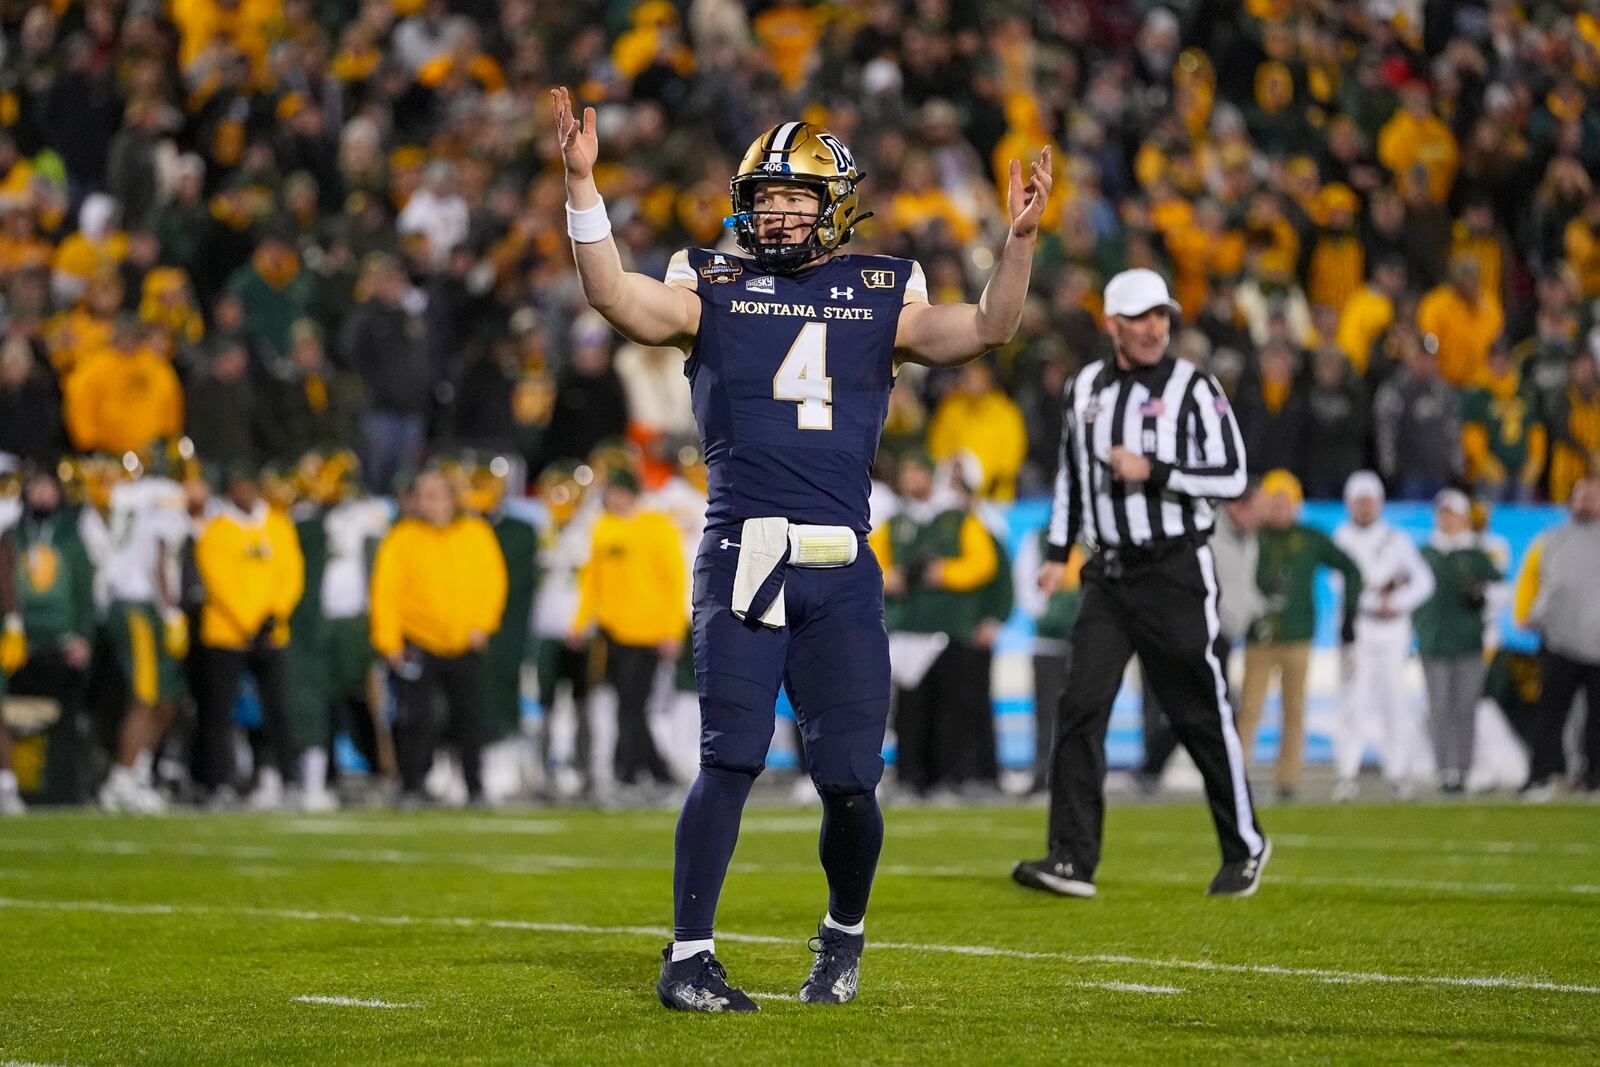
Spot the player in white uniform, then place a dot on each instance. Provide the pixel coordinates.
(142, 533)
(563, 550)
(353, 526)
(1375, 706)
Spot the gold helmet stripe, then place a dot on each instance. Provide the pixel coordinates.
(782, 142)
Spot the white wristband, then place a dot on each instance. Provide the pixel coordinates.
(590, 224)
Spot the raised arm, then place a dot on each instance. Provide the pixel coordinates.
(943, 335)
(643, 309)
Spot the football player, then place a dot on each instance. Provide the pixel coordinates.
(791, 351)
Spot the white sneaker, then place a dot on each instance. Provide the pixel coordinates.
(1345, 790)
(318, 801)
(11, 803)
(1541, 793)
(268, 795)
(124, 794)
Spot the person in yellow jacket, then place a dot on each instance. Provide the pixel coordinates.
(634, 591)
(978, 417)
(438, 594)
(123, 398)
(1574, 419)
(1466, 320)
(1415, 136)
(1370, 311)
(250, 566)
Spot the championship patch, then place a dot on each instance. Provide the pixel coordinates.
(721, 270)
(878, 279)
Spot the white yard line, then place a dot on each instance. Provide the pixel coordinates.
(1316, 974)
(348, 1002)
(335, 826)
(1341, 843)
(545, 864)
(1130, 987)
(776, 996)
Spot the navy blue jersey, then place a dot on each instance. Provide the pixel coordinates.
(790, 376)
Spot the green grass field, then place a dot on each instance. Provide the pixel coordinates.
(1462, 933)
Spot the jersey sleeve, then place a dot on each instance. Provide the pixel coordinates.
(916, 285)
(680, 273)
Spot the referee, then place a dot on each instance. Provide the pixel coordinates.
(1147, 444)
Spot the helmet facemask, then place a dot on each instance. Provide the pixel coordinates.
(784, 258)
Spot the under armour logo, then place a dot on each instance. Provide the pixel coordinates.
(727, 544)
(847, 293)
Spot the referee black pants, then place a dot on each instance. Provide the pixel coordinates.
(1165, 610)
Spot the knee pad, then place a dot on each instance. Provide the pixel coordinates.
(734, 736)
(840, 768)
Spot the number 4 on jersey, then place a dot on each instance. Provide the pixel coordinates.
(803, 379)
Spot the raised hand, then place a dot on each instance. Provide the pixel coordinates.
(579, 145)
(1027, 201)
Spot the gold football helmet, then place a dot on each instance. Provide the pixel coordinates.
(799, 153)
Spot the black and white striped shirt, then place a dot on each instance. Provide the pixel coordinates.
(1173, 414)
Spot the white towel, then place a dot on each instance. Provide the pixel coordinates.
(763, 544)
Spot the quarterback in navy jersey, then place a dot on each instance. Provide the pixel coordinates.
(791, 350)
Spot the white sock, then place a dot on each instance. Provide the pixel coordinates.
(141, 767)
(834, 924)
(124, 775)
(8, 784)
(682, 950)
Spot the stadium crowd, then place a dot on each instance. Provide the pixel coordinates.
(305, 251)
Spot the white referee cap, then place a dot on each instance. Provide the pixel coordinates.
(1133, 292)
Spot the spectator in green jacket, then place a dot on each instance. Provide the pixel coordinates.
(1279, 641)
(1450, 634)
(53, 582)
(938, 561)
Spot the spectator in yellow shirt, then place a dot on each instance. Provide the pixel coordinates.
(634, 591)
(97, 247)
(1465, 319)
(922, 203)
(979, 417)
(1416, 136)
(125, 398)
(1582, 242)
(438, 594)
(1370, 311)
(253, 573)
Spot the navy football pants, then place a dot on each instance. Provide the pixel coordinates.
(832, 657)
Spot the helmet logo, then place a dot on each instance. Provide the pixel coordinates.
(771, 167)
(843, 161)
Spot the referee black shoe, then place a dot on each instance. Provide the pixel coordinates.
(699, 983)
(1053, 876)
(837, 970)
(1243, 878)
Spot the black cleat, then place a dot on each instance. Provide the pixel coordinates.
(699, 983)
(1053, 876)
(1241, 879)
(837, 971)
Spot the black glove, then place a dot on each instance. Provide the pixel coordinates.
(1475, 596)
(916, 571)
(1347, 632)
